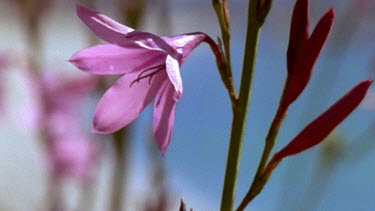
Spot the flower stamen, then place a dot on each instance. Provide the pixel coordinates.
(149, 72)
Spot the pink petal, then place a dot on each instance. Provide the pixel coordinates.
(125, 100)
(104, 27)
(152, 42)
(320, 128)
(164, 112)
(185, 43)
(173, 71)
(111, 31)
(111, 59)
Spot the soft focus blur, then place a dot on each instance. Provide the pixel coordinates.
(337, 175)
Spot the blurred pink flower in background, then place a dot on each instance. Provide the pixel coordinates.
(151, 65)
(70, 150)
(64, 97)
(72, 155)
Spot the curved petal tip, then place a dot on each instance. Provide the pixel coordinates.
(173, 70)
(101, 129)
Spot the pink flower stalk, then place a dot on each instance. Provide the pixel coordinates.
(69, 151)
(72, 155)
(63, 98)
(65, 93)
(320, 128)
(303, 50)
(151, 65)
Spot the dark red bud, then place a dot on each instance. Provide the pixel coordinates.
(303, 51)
(322, 126)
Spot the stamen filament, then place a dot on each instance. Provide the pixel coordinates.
(143, 74)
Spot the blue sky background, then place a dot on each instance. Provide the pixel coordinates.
(196, 157)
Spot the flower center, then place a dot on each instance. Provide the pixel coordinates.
(148, 73)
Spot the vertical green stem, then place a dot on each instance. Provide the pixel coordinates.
(259, 179)
(271, 138)
(119, 170)
(240, 111)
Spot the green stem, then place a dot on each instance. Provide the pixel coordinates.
(259, 179)
(224, 59)
(240, 111)
(271, 138)
(119, 173)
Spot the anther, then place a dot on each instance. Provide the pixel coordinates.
(146, 73)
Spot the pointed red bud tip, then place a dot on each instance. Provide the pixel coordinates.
(320, 128)
(299, 33)
(303, 50)
(315, 43)
(331, 13)
(182, 206)
(321, 31)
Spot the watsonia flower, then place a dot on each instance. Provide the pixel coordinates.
(70, 152)
(151, 65)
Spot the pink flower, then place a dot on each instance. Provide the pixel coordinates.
(62, 99)
(70, 152)
(65, 93)
(72, 155)
(320, 128)
(303, 50)
(151, 65)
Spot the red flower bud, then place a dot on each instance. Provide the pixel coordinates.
(320, 128)
(303, 51)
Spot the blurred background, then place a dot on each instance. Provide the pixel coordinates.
(50, 160)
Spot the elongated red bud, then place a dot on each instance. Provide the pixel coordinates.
(320, 128)
(303, 51)
(317, 40)
(299, 33)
